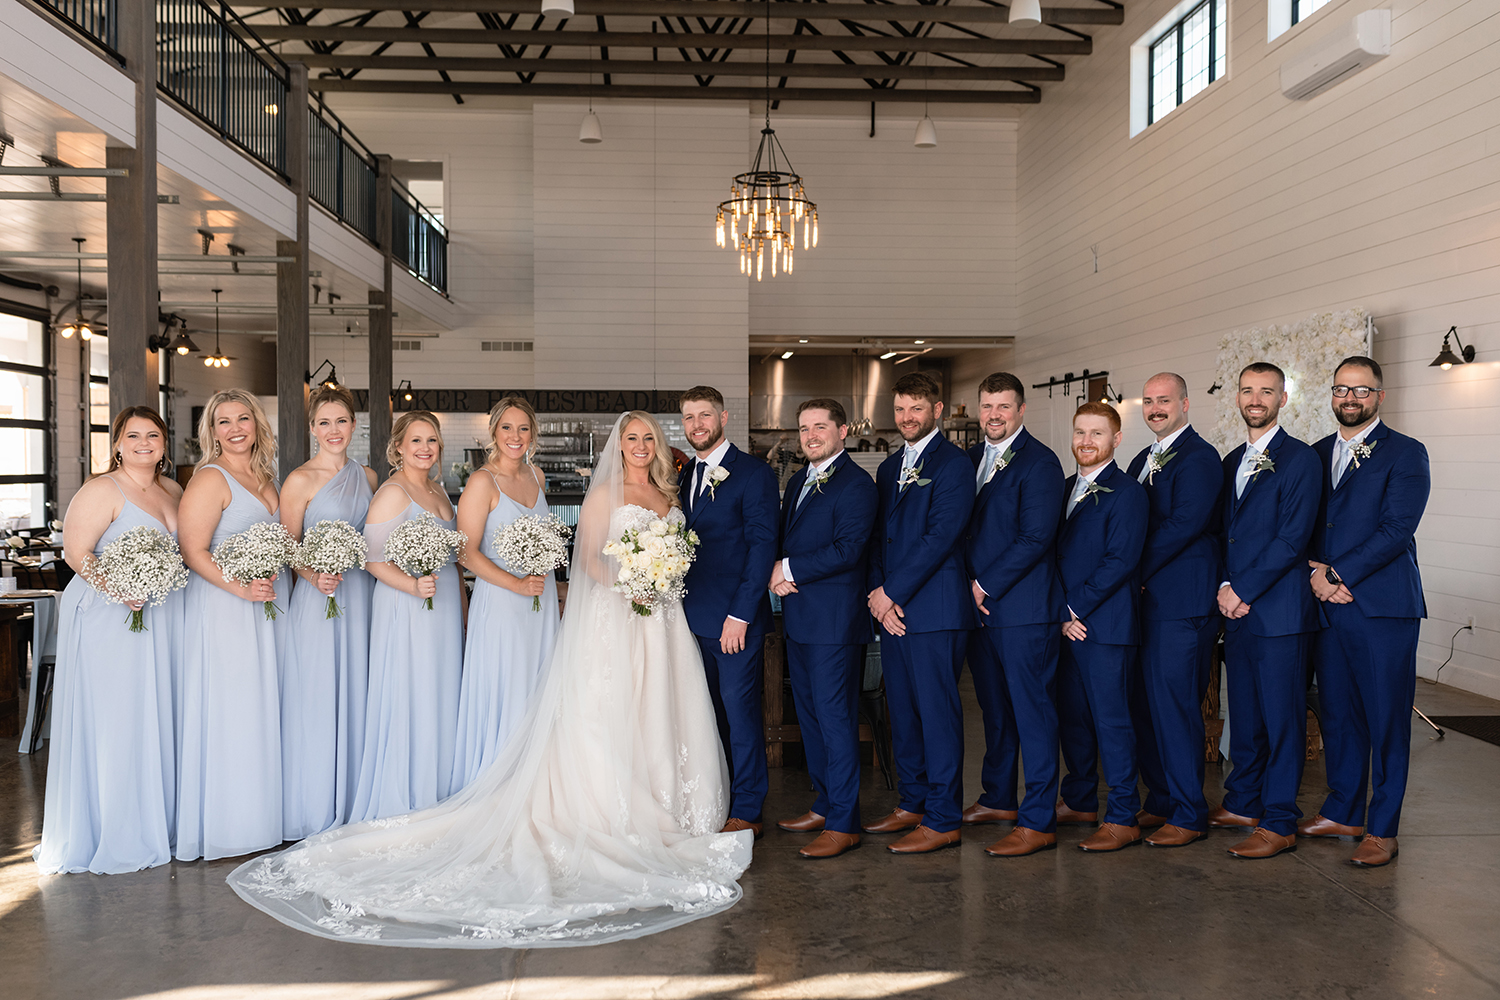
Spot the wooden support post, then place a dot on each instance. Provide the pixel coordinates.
(381, 366)
(293, 357)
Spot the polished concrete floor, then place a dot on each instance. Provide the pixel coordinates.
(1142, 923)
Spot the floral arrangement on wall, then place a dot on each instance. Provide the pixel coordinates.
(1307, 351)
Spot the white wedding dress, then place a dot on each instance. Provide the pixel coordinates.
(598, 822)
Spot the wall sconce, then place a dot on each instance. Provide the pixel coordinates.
(1215, 387)
(405, 389)
(331, 382)
(1446, 359)
(1111, 394)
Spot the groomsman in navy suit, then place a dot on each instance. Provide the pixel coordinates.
(1375, 487)
(731, 502)
(826, 517)
(1180, 573)
(1010, 555)
(919, 592)
(1098, 552)
(1272, 487)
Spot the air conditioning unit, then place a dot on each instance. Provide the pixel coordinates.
(1362, 42)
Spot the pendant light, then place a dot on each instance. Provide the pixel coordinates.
(217, 359)
(1026, 13)
(557, 8)
(590, 131)
(926, 132)
(78, 326)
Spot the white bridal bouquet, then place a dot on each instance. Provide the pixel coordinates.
(258, 553)
(142, 566)
(533, 545)
(422, 546)
(331, 547)
(653, 562)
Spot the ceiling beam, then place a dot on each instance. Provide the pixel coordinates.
(648, 40)
(643, 67)
(862, 96)
(907, 12)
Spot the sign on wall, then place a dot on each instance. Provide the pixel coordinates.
(542, 400)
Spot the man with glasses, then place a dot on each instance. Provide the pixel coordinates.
(1364, 571)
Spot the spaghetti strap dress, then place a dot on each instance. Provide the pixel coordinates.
(325, 663)
(503, 654)
(229, 708)
(111, 767)
(411, 709)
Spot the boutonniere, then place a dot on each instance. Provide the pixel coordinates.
(1155, 462)
(1263, 463)
(716, 475)
(1093, 490)
(820, 478)
(1003, 461)
(1362, 450)
(912, 475)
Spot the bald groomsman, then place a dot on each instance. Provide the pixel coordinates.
(1012, 567)
(1180, 572)
(1272, 487)
(1364, 571)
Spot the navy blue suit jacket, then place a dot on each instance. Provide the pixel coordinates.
(1098, 552)
(1268, 534)
(1367, 525)
(1010, 545)
(826, 539)
(917, 551)
(1181, 567)
(736, 526)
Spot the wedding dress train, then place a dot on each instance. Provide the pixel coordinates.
(598, 822)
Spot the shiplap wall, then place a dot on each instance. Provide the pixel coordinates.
(1244, 208)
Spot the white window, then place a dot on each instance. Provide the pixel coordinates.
(1282, 14)
(1177, 59)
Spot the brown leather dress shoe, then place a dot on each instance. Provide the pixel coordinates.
(830, 844)
(1144, 818)
(1262, 843)
(924, 841)
(1111, 837)
(736, 825)
(1175, 836)
(1322, 826)
(806, 823)
(1220, 817)
(1375, 852)
(896, 821)
(1068, 816)
(978, 814)
(1021, 842)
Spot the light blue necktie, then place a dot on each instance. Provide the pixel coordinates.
(1079, 489)
(807, 486)
(1146, 469)
(1242, 477)
(1341, 464)
(982, 476)
(908, 459)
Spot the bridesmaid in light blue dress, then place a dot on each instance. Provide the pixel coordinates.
(508, 641)
(324, 661)
(416, 654)
(229, 707)
(111, 767)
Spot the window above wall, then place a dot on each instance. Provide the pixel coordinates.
(1177, 59)
(1283, 14)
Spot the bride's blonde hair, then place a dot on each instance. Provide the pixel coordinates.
(663, 471)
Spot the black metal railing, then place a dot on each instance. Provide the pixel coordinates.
(340, 172)
(205, 63)
(95, 18)
(420, 240)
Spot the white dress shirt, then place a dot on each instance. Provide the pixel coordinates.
(1082, 484)
(786, 561)
(1253, 451)
(1343, 450)
(992, 453)
(913, 452)
(1165, 444)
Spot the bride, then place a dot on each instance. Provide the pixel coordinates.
(599, 821)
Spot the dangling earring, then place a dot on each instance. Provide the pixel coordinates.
(119, 458)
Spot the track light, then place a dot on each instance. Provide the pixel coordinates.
(786, 355)
(1026, 12)
(888, 355)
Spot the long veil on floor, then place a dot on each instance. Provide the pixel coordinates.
(599, 821)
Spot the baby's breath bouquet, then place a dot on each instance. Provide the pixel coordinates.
(142, 566)
(653, 562)
(420, 547)
(533, 545)
(331, 547)
(257, 553)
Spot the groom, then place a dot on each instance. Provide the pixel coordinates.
(731, 502)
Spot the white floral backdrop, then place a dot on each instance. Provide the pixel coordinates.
(1307, 351)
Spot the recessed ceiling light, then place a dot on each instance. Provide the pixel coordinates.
(919, 341)
(786, 355)
(887, 355)
(802, 341)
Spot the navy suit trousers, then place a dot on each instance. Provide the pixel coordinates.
(1367, 679)
(1267, 679)
(1167, 705)
(1093, 707)
(825, 685)
(734, 682)
(921, 682)
(1027, 658)
(1001, 747)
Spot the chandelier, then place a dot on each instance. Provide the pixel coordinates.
(768, 203)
